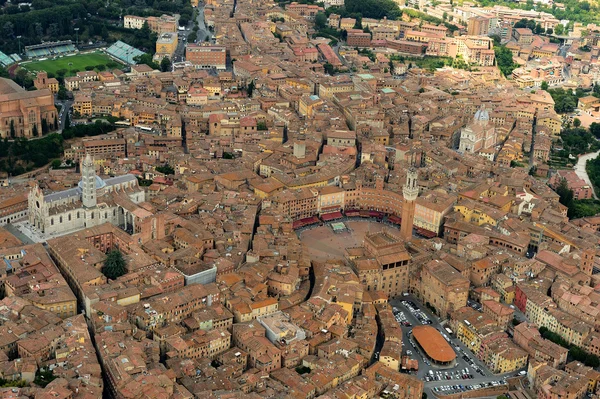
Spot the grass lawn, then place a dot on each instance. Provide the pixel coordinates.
(79, 61)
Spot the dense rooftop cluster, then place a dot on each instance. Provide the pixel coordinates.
(270, 215)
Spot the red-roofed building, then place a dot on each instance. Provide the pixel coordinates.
(581, 190)
(329, 55)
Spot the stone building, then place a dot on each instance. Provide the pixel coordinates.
(93, 202)
(25, 113)
(478, 135)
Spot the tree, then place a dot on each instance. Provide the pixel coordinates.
(144, 31)
(329, 68)
(53, 30)
(9, 29)
(192, 37)
(39, 30)
(504, 59)
(114, 265)
(165, 169)
(595, 129)
(56, 163)
(250, 88)
(104, 33)
(67, 121)
(592, 361)
(62, 93)
(549, 31)
(373, 8)
(34, 131)
(497, 39)
(23, 78)
(521, 23)
(146, 59)
(559, 29)
(392, 67)
(13, 132)
(565, 193)
(538, 29)
(44, 126)
(165, 64)
(43, 377)
(320, 20)
(576, 122)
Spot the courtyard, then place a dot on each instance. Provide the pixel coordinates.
(324, 244)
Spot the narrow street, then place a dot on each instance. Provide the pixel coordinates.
(62, 116)
(203, 31)
(531, 158)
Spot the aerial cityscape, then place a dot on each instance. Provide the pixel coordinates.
(264, 199)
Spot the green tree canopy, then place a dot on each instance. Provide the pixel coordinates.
(320, 20)
(146, 59)
(374, 8)
(504, 59)
(114, 265)
(166, 169)
(559, 29)
(165, 64)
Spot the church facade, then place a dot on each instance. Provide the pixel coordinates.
(93, 202)
(478, 135)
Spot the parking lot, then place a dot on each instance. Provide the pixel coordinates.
(466, 374)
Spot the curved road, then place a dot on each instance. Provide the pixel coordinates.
(580, 169)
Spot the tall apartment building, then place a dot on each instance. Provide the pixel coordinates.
(205, 56)
(478, 26)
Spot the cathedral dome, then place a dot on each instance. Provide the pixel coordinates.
(99, 183)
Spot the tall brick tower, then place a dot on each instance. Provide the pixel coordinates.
(410, 192)
(88, 180)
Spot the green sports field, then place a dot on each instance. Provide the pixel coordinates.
(79, 62)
